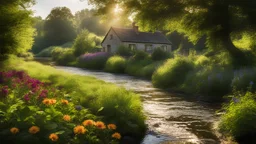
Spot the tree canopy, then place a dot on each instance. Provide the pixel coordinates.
(218, 20)
(16, 31)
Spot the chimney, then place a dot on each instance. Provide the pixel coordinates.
(135, 28)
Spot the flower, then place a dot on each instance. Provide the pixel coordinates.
(34, 129)
(14, 130)
(88, 123)
(79, 129)
(66, 118)
(49, 101)
(53, 101)
(112, 126)
(100, 125)
(5, 91)
(26, 97)
(116, 135)
(64, 102)
(53, 137)
(78, 107)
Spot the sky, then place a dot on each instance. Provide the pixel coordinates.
(44, 7)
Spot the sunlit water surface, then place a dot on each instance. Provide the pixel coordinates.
(170, 117)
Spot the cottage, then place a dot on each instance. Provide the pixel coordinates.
(135, 40)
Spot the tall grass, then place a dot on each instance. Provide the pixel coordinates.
(172, 73)
(115, 64)
(113, 104)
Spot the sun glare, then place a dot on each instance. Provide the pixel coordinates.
(117, 9)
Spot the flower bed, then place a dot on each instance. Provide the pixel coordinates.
(32, 111)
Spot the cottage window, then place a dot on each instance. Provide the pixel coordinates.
(148, 48)
(132, 47)
(164, 47)
(111, 36)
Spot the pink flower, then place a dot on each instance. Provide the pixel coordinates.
(26, 97)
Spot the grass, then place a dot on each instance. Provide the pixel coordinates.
(115, 64)
(103, 99)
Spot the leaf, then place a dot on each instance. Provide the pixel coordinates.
(60, 132)
(101, 109)
(51, 126)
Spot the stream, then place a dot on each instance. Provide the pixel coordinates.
(171, 118)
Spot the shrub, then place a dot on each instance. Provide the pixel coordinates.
(140, 55)
(124, 51)
(93, 60)
(26, 55)
(65, 57)
(47, 52)
(159, 54)
(239, 118)
(84, 43)
(134, 67)
(172, 73)
(115, 64)
(244, 78)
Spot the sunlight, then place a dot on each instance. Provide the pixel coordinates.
(117, 9)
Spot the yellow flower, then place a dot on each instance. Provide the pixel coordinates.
(112, 126)
(53, 137)
(88, 123)
(116, 135)
(46, 102)
(53, 101)
(66, 118)
(34, 129)
(14, 130)
(64, 102)
(79, 130)
(100, 125)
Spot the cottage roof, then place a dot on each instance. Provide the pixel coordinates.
(130, 35)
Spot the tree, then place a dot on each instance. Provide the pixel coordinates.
(218, 20)
(39, 43)
(16, 31)
(85, 42)
(59, 26)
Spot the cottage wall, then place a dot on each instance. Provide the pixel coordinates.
(141, 46)
(114, 42)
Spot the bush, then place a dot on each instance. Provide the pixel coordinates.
(84, 43)
(93, 60)
(65, 57)
(124, 51)
(134, 67)
(172, 73)
(47, 52)
(243, 79)
(140, 55)
(239, 118)
(115, 64)
(26, 55)
(159, 54)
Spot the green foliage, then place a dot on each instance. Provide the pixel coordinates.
(159, 54)
(172, 73)
(47, 52)
(84, 43)
(59, 27)
(124, 51)
(105, 100)
(26, 55)
(64, 56)
(239, 118)
(16, 34)
(243, 79)
(140, 55)
(115, 64)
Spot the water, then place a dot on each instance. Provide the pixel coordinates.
(170, 117)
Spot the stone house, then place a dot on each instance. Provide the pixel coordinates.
(135, 40)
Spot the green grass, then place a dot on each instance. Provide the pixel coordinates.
(239, 118)
(117, 104)
(115, 64)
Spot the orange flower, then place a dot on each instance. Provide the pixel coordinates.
(64, 102)
(34, 129)
(79, 130)
(53, 101)
(116, 135)
(88, 123)
(112, 126)
(53, 137)
(100, 125)
(46, 102)
(14, 130)
(66, 118)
